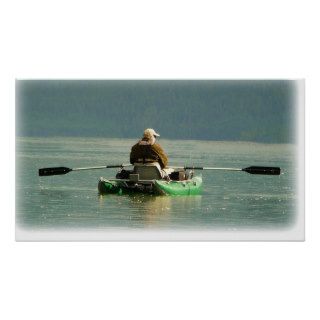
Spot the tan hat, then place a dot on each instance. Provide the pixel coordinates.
(149, 133)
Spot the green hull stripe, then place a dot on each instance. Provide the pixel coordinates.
(160, 187)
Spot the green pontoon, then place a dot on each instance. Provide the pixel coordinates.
(158, 187)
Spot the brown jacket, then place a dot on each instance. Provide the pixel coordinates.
(144, 152)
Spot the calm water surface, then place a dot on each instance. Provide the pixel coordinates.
(230, 200)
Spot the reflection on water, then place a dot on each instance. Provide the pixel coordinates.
(154, 211)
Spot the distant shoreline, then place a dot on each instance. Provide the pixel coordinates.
(160, 140)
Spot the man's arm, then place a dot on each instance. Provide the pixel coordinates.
(163, 157)
(132, 155)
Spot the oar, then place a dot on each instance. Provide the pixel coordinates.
(63, 170)
(253, 169)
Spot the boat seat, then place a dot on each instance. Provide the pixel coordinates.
(148, 171)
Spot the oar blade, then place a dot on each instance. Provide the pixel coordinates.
(53, 171)
(275, 171)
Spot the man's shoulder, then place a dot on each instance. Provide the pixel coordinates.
(135, 145)
(157, 146)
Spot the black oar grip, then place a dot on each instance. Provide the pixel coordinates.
(53, 171)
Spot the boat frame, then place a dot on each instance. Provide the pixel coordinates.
(149, 186)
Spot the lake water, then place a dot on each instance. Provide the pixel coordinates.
(229, 201)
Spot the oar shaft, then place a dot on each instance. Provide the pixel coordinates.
(210, 168)
(102, 167)
(90, 168)
(252, 169)
(63, 170)
(214, 168)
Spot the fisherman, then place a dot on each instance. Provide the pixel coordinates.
(148, 151)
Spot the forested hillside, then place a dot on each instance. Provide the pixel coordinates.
(260, 111)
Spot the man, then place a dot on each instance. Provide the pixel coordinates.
(147, 150)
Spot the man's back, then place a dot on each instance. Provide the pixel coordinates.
(144, 152)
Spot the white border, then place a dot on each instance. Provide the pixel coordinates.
(193, 39)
